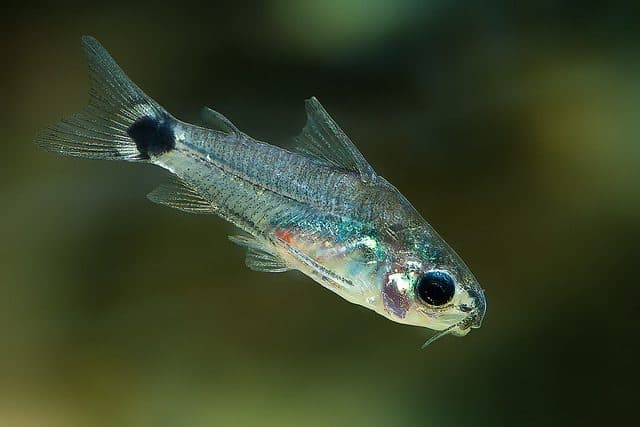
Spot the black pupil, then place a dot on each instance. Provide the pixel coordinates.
(436, 288)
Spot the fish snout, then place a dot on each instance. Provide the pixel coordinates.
(480, 307)
(476, 310)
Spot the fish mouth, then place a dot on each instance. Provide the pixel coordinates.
(460, 329)
(472, 321)
(475, 317)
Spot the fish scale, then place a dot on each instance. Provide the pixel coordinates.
(278, 170)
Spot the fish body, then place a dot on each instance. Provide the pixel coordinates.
(319, 208)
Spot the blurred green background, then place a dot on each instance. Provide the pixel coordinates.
(513, 129)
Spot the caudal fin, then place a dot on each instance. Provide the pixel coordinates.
(120, 122)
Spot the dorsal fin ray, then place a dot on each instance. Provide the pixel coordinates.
(322, 139)
(217, 121)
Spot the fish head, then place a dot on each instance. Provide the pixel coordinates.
(427, 284)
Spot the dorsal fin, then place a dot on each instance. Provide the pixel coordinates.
(218, 122)
(322, 139)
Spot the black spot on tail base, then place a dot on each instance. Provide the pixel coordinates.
(153, 135)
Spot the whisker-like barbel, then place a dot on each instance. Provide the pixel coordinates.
(439, 335)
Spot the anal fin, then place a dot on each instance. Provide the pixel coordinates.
(179, 195)
(259, 257)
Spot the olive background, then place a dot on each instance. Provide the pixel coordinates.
(511, 126)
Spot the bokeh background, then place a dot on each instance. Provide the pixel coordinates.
(512, 126)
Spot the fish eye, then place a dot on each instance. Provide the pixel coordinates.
(436, 288)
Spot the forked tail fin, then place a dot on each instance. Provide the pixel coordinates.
(120, 122)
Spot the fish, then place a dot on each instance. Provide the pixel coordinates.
(317, 207)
